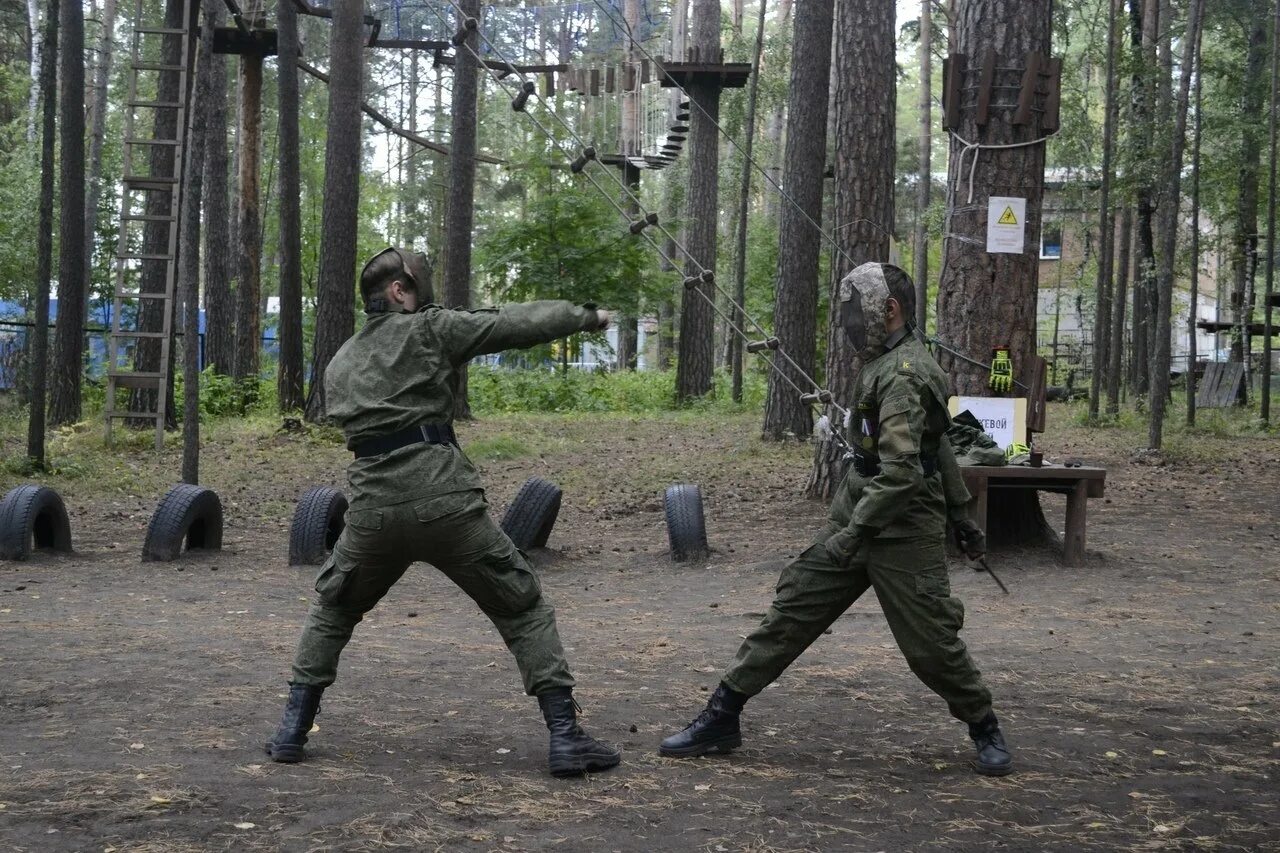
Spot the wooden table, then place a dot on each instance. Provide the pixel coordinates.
(1078, 484)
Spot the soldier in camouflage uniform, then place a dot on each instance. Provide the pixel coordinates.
(415, 496)
(886, 530)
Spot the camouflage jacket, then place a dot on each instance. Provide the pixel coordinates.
(402, 370)
(900, 417)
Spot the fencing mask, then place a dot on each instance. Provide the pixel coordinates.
(864, 304)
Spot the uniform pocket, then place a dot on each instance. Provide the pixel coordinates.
(934, 584)
(365, 519)
(448, 505)
(334, 580)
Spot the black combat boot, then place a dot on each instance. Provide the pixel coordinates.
(573, 751)
(994, 757)
(299, 713)
(715, 729)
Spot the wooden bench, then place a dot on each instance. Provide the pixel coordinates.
(1078, 484)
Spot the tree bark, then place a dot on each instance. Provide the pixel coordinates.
(924, 185)
(36, 67)
(1145, 19)
(694, 369)
(460, 205)
(189, 274)
(987, 300)
(1170, 208)
(97, 133)
(335, 313)
(249, 218)
(219, 301)
(865, 108)
(1193, 314)
(64, 398)
(1115, 351)
(795, 312)
(44, 244)
(1244, 256)
(1106, 224)
(289, 378)
(736, 345)
(1265, 402)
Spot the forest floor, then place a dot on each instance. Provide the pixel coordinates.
(1140, 691)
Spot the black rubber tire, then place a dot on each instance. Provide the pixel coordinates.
(686, 524)
(532, 513)
(317, 523)
(190, 515)
(32, 517)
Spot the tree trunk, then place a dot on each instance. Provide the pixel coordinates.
(772, 200)
(1145, 20)
(64, 398)
(1115, 350)
(736, 353)
(1244, 256)
(795, 312)
(628, 328)
(37, 66)
(1267, 306)
(989, 299)
(1193, 314)
(460, 206)
(1170, 208)
(249, 219)
(1106, 224)
(97, 133)
(924, 185)
(219, 316)
(189, 276)
(289, 380)
(335, 288)
(694, 369)
(44, 244)
(155, 237)
(865, 108)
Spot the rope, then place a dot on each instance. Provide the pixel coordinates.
(978, 147)
(694, 262)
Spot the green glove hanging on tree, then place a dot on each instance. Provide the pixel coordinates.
(1001, 380)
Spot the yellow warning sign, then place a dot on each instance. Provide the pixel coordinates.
(1008, 217)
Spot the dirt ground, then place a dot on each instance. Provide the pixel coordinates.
(1139, 692)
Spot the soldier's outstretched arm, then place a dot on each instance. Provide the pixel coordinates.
(466, 334)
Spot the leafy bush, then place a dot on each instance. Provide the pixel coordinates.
(504, 391)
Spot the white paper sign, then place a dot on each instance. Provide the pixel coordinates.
(998, 416)
(1006, 225)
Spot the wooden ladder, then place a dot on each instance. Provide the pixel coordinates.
(142, 210)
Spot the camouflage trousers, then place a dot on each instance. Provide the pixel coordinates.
(910, 580)
(454, 533)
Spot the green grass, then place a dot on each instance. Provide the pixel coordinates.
(497, 448)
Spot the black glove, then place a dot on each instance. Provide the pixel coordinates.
(970, 538)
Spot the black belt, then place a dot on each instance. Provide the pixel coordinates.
(869, 466)
(420, 434)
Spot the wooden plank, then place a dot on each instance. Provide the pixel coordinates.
(1030, 83)
(1053, 101)
(644, 71)
(610, 80)
(1073, 539)
(595, 82)
(1208, 384)
(548, 83)
(985, 82)
(953, 69)
(1037, 394)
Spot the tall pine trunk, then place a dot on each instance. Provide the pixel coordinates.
(1145, 18)
(795, 312)
(989, 299)
(335, 289)
(98, 131)
(1119, 304)
(694, 369)
(249, 219)
(44, 244)
(68, 346)
(1106, 226)
(1244, 254)
(219, 301)
(189, 270)
(1170, 208)
(289, 381)
(924, 175)
(865, 104)
(460, 205)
